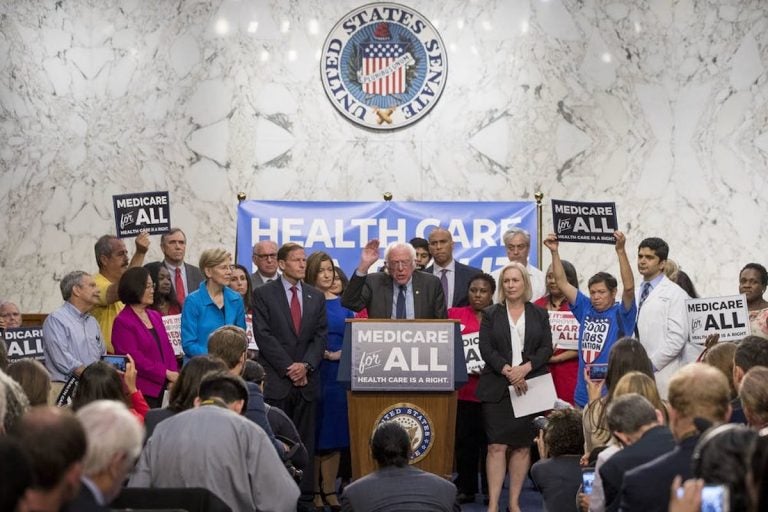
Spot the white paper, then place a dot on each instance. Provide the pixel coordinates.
(540, 397)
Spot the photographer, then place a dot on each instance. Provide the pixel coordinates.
(558, 474)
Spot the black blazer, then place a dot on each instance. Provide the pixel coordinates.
(85, 501)
(279, 344)
(374, 292)
(464, 275)
(496, 348)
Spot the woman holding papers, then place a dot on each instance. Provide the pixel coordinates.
(516, 344)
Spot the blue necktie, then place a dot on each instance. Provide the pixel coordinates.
(400, 306)
(644, 294)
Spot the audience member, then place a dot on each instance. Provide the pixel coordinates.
(114, 438)
(112, 260)
(214, 447)
(395, 486)
(229, 343)
(754, 397)
(55, 444)
(291, 348)
(33, 378)
(454, 276)
(184, 391)
(265, 259)
(558, 473)
(164, 300)
(13, 403)
(518, 244)
(662, 319)
(185, 278)
(627, 355)
(11, 314)
(720, 356)
(140, 332)
(751, 352)
(15, 474)
(471, 445)
(639, 427)
(697, 393)
(602, 320)
(212, 305)
(421, 246)
(101, 381)
(758, 474)
(753, 280)
(332, 432)
(3, 355)
(241, 283)
(71, 336)
(563, 365)
(514, 323)
(399, 293)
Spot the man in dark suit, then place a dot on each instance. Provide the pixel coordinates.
(185, 278)
(398, 293)
(695, 391)
(289, 320)
(114, 437)
(640, 428)
(395, 485)
(454, 276)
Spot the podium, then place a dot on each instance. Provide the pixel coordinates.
(405, 371)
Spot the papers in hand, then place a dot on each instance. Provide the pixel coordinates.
(540, 397)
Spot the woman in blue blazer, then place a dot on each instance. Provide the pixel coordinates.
(213, 305)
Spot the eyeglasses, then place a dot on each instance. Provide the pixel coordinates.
(516, 247)
(270, 256)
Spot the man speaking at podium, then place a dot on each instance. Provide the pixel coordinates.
(399, 293)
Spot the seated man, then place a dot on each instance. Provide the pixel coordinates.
(212, 446)
(10, 314)
(114, 438)
(396, 486)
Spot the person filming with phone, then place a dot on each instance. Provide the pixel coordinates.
(602, 320)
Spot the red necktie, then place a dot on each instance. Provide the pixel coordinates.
(295, 310)
(179, 287)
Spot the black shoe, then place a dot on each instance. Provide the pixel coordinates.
(463, 498)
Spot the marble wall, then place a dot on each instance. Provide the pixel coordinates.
(660, 105)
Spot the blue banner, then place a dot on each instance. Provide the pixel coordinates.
(342, 228)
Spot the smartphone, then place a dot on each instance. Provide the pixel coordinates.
(715, 498)
(597, 371)
(587, 478)
(117, 362)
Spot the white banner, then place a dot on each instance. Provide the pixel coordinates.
(471, 342)
(565, 330)
(726, 316)
(173, 328)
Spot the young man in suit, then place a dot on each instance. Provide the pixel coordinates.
(454, 276)
(398, 293)
(289, 320)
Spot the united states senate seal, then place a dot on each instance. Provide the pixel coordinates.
(416, 422)
(383, 66)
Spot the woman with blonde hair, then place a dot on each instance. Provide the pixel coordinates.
(213, 305)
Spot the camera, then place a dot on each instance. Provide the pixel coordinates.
(540, 422)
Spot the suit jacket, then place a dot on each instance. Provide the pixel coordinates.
(496, 348)
(646, 488)
(464, 275)
(400, 490)
(201, 316)
(662, 325)
(655, 442)
(374, 292)
(85, 502)
(193, 274)
(130, 336)
(280, 345)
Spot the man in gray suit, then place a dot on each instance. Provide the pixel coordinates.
(398, 293)
(265, 259)
(396, 486)
(185, 278)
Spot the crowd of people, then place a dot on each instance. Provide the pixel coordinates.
(247, 407)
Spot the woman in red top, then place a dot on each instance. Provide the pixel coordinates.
(471, 445)
(563, 364)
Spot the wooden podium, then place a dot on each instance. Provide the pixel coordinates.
(431, 413)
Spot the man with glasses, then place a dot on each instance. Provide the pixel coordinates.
(265, 259)
(398, 293)
(517, 242)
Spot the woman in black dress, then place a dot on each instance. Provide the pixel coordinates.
(515, 343)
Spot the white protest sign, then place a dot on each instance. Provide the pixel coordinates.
(565, 330)
(173, 328)
(471, 342)
(726, 316)
(249, 332)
